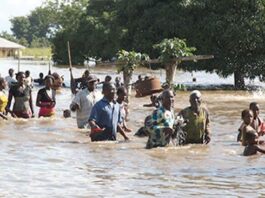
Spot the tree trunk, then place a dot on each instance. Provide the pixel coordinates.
(127, 78)
(170, 73)
(239, 80)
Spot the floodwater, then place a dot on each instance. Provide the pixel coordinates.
(50, 157)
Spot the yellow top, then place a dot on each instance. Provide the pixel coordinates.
(3, 101)
(197, 125)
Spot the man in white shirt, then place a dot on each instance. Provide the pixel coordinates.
(85, 100)
(10, 79)
(28, 79)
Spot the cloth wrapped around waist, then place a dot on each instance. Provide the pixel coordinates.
(46, 111)
(23, 114)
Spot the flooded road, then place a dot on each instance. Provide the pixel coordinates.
(50, 157)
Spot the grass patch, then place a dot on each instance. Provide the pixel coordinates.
(38, 53)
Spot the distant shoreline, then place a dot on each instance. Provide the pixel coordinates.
(215, 87)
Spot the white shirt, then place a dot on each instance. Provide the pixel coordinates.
(85, 101)
(29, 81)
(10, 80)
(50, 93)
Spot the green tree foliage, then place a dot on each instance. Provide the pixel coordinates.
(234, 31)
(110, 25)
(173, 48)
(23, 42)
(21, 28)
(148, 22)
(69, 18)
(127, 62)
(59, 48)
(100, 31)
(169, 50)
(231, 30)
(40, 42)
(8, 36)
(38, 24)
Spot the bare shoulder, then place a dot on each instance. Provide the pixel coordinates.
(249, 128)
(205, 109)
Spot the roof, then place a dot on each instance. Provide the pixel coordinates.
(9, 44)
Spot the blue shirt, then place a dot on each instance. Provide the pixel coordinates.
(106, 115)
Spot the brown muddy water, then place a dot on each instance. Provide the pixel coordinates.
(50, 157)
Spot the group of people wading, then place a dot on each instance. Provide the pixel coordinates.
(105, 112)
(20, 89)
(251, 129)
(191, 125)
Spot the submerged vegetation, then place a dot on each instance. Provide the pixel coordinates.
(37, 53)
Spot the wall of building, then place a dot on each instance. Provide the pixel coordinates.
(5, 52)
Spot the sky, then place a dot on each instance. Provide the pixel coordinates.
(12, 8)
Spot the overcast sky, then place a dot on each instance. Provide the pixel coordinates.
(12, 8)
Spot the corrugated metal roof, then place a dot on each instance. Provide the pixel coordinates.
(9, 44)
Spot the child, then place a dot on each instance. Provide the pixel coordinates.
(122, 93)
(107, 80)
(118, 82)
(252, 144)
(247, 117)
(257, 121)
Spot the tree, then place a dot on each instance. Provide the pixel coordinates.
(8, 36)
(148, 22)
(20, 27)
(23, 42)
(127, 62)
(41, 20)
(38, 24)
(170, 50)
(71, 26)
(40, 42)
(234, 31)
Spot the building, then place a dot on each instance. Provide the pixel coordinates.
(9, 49)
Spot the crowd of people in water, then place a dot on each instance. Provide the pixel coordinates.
(105, 112)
